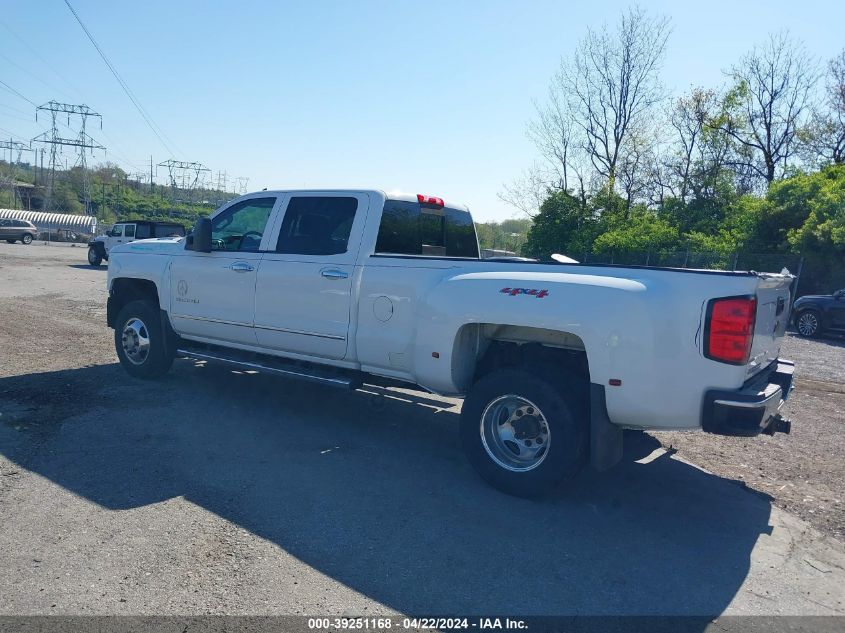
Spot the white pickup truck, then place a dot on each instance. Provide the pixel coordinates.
(554, 360)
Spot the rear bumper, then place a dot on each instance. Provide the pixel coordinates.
(752, 409)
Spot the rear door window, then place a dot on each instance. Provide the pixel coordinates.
(411, 228)
(317, 225)
(142, 232)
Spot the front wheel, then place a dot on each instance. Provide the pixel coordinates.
(808, 324)
(139, 341)
(524, 435)
(94, 257)
(26, 239)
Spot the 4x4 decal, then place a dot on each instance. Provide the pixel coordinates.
(525, 291)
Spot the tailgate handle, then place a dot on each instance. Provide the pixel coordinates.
(781, 306)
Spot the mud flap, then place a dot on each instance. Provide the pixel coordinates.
(605, 437)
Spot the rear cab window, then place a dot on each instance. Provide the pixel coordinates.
(415, 228)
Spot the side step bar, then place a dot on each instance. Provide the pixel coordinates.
(272, 365)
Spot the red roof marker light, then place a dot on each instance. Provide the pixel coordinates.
(436, 202)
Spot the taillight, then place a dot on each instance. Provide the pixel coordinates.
(435, 202)
(729, 329)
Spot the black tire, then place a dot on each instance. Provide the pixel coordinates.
(808, 323)
(94, 257)
(11, 241)
(26, 238)
(565, 411)
(157, 360)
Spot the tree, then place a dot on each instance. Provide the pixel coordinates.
(824, 137)
(527, 192)
(563, 225)
(642, 231)
(611, 85)
(763, 110)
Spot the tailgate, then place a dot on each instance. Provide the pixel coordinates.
(773, 304)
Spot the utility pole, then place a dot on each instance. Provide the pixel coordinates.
(82, 142)
(183, 175)
(14, 146)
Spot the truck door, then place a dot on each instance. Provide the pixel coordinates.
(113, 237)
(304, 291)
(212, 295)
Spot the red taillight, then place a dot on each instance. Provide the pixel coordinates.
(729, 330)
(437, 202)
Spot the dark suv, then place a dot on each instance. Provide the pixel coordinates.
(815, 314)
(13, 230)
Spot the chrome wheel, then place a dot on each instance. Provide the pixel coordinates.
(136, 341)
(515, 433)
(808, 324)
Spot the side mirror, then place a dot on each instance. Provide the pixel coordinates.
(199, 240)
(839, 294)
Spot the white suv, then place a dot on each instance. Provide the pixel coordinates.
(123, 232)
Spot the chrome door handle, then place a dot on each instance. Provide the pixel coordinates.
(331, 273)
(241, 267)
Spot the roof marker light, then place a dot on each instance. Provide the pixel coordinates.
(437, 202)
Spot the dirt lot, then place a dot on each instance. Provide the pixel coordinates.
(214, 491)
(804, 472)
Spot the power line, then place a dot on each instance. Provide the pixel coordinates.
(147, 118)
(38, 55)
(13, 134)
(29, 73)
(13, 91)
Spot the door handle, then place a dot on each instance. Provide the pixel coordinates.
(242, 267)
(331, 273)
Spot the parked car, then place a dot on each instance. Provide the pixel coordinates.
(342, 287)
(814, 315)
(123, 232)
(13, 230)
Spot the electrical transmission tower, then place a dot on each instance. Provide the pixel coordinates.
(14, 148)
(184, 176)
(82, 142)
(241, 184)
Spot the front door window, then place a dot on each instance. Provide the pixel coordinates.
(241, 227)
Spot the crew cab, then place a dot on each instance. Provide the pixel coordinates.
(123, 232)
(553, 359)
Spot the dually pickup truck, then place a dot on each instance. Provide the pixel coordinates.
(553, 359)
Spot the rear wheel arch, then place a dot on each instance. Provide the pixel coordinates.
(480, 348)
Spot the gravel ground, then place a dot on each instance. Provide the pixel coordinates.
(804, 472)
(213, 492)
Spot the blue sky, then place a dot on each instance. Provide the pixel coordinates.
(426, 97)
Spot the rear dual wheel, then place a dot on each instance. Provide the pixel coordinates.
(523, 433)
